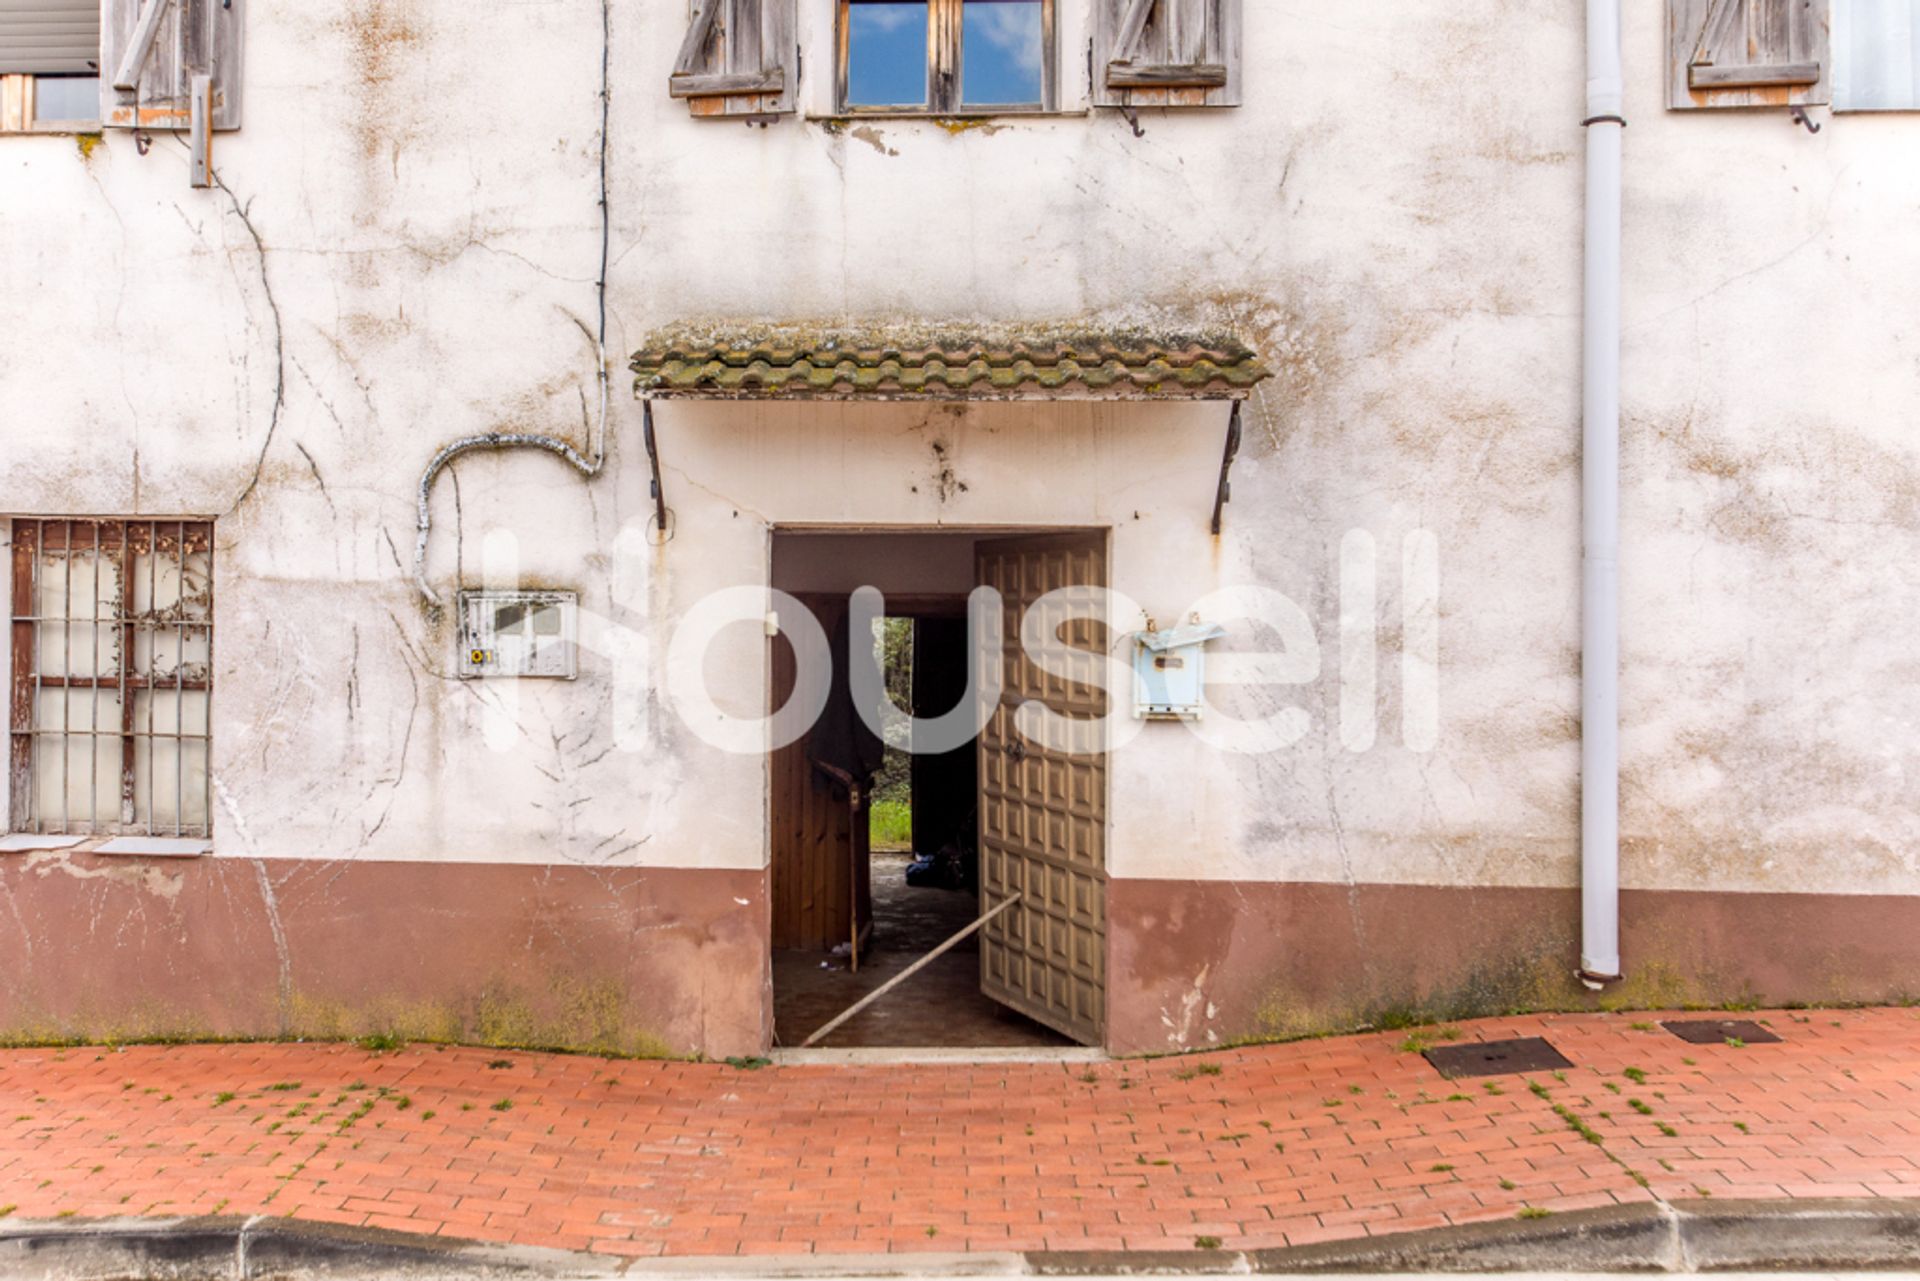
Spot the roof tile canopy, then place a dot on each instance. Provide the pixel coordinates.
(843, 366)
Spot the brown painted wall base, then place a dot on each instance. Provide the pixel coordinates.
(1205, 962)
(635, 961)
(675, 961)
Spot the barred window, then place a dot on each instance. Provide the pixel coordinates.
(112, 677)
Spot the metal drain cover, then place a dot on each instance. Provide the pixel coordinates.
(1720, 1031)
(1497, 1058)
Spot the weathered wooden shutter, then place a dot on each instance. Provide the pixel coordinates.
(738, 59)
(49, 37)
(151, 52)
(1166, 53)
(1747, 53)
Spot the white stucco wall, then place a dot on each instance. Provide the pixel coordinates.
(1392, 219)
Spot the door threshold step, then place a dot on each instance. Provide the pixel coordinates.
(882, 1055)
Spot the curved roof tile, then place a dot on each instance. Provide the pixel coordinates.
(841, 366)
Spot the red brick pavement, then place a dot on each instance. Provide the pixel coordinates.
(1257, 1147)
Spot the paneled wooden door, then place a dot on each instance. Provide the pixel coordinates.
(1043, 811)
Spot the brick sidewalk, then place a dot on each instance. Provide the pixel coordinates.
(1259, 1147)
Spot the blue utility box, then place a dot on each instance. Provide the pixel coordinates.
(1169, 671)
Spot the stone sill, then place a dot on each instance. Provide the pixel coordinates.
(138, 846)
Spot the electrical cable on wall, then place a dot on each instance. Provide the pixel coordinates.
(587, 466)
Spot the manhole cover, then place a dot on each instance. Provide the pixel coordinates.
(1495, 1058)
(1719, 1031)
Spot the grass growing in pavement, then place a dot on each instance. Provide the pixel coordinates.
(1575, 1124)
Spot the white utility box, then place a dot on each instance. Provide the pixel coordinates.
(520, 634)
(1169, 671)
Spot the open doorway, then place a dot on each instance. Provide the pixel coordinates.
(877, 853)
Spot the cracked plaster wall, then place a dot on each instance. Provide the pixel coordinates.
(1393, 219)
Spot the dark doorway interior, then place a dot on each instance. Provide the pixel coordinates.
(887, 884)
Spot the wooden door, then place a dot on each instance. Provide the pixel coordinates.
(1043, 812)
(821, 894)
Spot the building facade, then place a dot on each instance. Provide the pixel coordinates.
(265, 779)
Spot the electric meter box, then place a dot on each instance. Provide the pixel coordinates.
(520, 634)
(1169, 671)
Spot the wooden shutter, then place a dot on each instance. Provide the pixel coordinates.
(49, 37)
(738, 59)
(1166, 53)
(1747, 53)
(190, 38)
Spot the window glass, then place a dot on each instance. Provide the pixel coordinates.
(886, 53)
(1876, 57)
(1001, 53)
(66, 98)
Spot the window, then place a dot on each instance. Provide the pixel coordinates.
(948, 57)
(112, 677)
(1876, 55)
(49, 65)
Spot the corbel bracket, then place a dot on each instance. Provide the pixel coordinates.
(1225, 491)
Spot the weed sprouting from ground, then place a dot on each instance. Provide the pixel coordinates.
(1575, 1124)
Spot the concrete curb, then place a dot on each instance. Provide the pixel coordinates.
(1683, 1236)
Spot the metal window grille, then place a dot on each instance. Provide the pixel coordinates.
(111, 711)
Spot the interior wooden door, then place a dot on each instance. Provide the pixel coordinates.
(1043, 812)
(819, 843)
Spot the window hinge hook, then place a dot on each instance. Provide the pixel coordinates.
(1799, 116)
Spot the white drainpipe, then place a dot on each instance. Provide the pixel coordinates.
(1600, 508)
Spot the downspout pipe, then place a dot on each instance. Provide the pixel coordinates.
(1600, 506)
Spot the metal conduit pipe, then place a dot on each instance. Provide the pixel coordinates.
(1600, 506)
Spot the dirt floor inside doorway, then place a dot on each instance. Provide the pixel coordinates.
(941, 1006)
